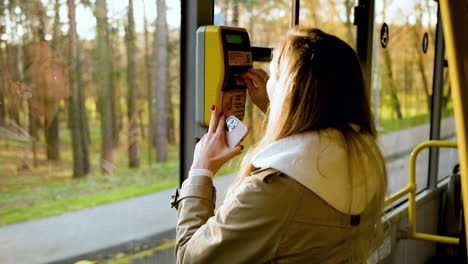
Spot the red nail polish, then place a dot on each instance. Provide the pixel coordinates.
(242, 147)
(213, 107)
(221, 113)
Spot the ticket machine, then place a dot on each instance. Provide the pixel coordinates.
(222, 53)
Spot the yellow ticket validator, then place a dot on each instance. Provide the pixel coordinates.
(222, 53)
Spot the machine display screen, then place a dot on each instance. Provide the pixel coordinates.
(233, 39)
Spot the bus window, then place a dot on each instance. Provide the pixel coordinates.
(266, 21)
(78, 114)
(332, 16)
(254, 117)
(402, 84)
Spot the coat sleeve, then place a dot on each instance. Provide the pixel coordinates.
(246, 229)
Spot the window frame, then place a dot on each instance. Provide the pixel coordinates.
(436, 102)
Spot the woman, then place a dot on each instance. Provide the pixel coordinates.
(312, 190)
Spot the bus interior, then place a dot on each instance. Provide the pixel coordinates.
(99, 117)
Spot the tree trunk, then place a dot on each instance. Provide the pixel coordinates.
(51, 131)
(149, 90)
(77, 111)
(105, 88)
(141, 123)
(40, 14)
(447, 95)
(30, 120)
(117, 114)
(169, 105)
(83, 116)
(224, 9)
(408, 81)
(313, 6)
(421, 67)
(51, 127)
(39, 11)
(389, 72)
(133, 133)
(2, 65)
(2, 86)
(12, 69)
(235, 13)
(392, 84)
(161, 75)
(170, 117)
(349, 5)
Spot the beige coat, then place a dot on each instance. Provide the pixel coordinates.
(270, 218)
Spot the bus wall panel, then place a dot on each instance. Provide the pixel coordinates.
(402, 251)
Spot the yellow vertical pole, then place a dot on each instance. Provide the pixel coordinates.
(412, 213)
(412, 187)
(454, 15)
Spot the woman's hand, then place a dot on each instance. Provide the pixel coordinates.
(211, 152)
(256, 80)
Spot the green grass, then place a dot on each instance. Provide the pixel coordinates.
(60, 206)
(48, 189)
(32, 195)
(388, 126)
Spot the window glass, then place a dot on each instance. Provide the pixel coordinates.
(266, 21)
(332, 16)
(402, 84)
(448, 158)
(89, 104)
(255, 118)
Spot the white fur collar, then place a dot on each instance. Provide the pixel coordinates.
(318, 160)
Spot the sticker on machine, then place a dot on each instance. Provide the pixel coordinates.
(239, 58)
(234, 103)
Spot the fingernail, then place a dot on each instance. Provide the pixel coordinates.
(242, 147)
(213, 107)
(221, 113)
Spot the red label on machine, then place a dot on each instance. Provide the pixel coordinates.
(239, 58)
(234, 103)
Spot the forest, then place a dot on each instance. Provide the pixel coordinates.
(90, 90)
(91, 84)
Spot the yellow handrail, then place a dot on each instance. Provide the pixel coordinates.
(411, 190)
